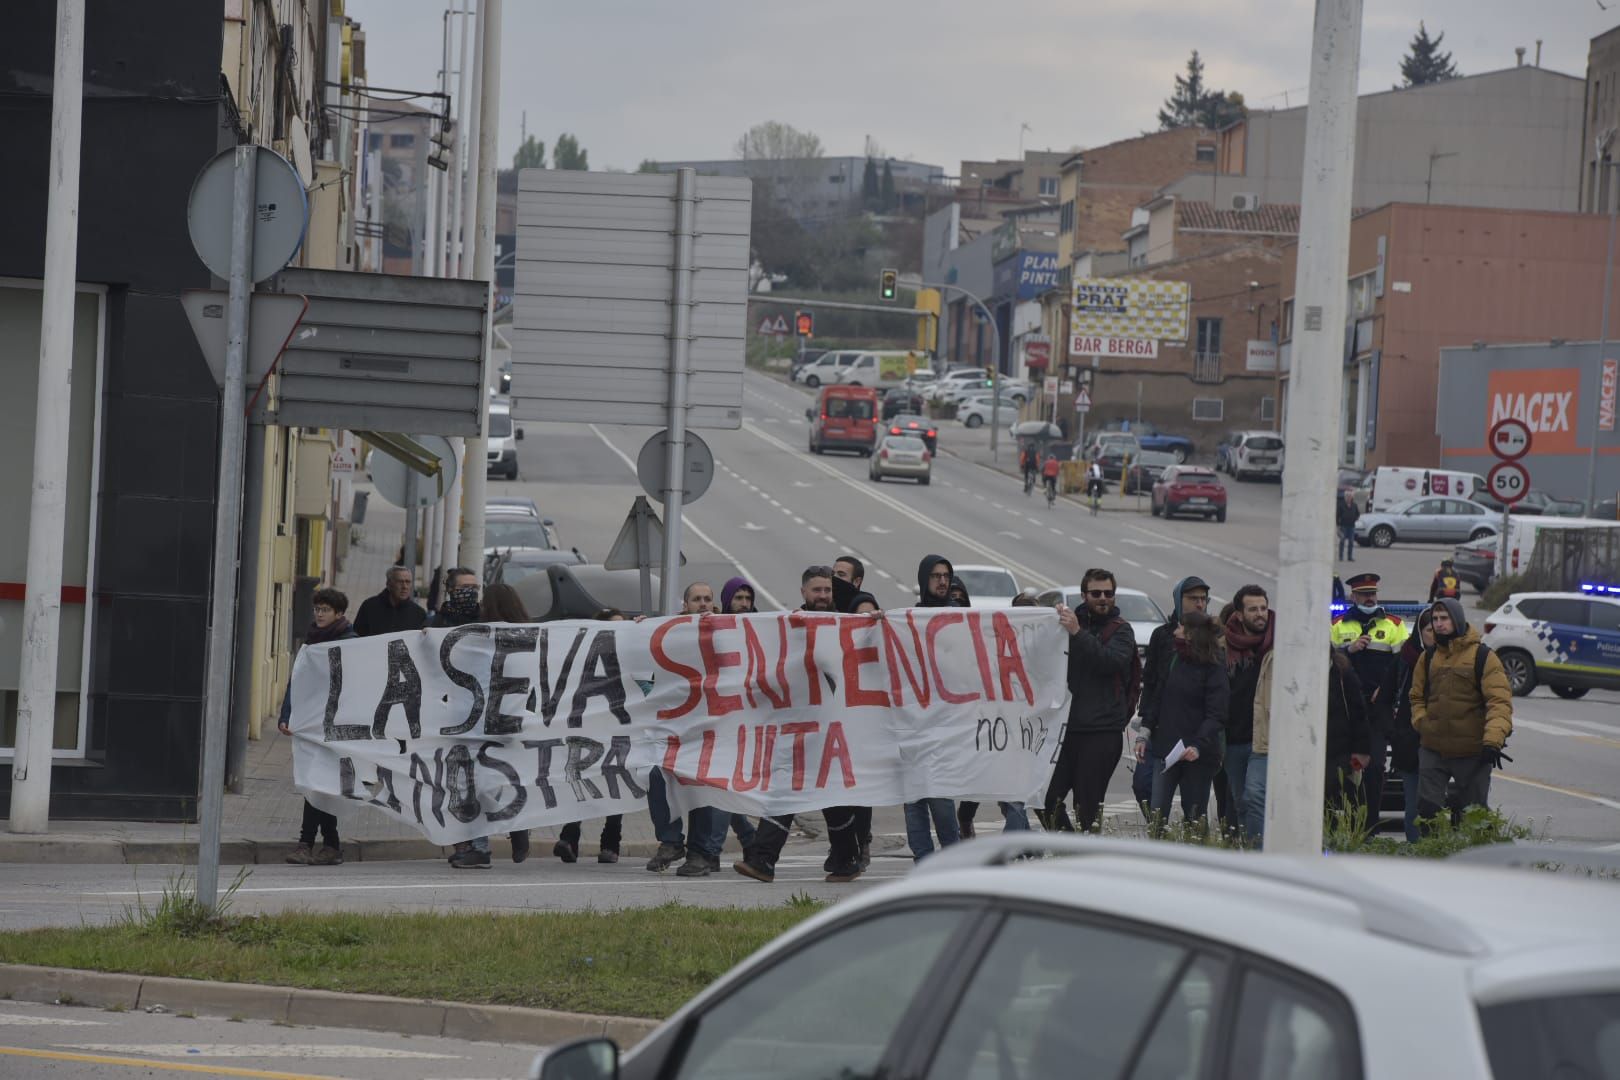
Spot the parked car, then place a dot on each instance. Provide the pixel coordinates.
(1097, 439)
(919, 426)
(1534, 502)
(1112, 452)
(1223, 451)
(975, 411)
(826, 367)
(508, 566)
(1135, 607)
(1570, 641)
(1391, 485)
(516, 529)
(902, 455)
(1189, 489)
(1151, 438)
(922, 380)
(900, 400)
(846, 418)
(1145, 470)
(1448, 521)
(501, 446)
(1026, 956)
(988, 586)
(801, 359)
(1255, 454)
(1475, 562)
(1607, 510)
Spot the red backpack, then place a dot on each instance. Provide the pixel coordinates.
(1129, 684)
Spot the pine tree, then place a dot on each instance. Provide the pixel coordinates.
(886, 192)
(1182, 107)
(569, 154)
(1425, 63)
(1218, 110)
(648, 165)
(531, 155)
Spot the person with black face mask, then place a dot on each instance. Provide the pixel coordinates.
(460, 605)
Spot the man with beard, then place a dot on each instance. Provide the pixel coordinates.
(1372, 638)
(1250, 634)
(843, 829)
(934, 576)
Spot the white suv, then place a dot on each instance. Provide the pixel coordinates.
(1569, 641)
(1147, 959)
(1254, 453)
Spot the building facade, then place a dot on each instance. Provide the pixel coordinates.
(1600, 121)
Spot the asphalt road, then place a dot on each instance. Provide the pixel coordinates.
(774, 508)
(56, 1042)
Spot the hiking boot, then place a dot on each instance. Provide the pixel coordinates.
(327, 856)
(607, 855)
(844, 874)
(666, 856)
(754, 870)
(520, 845)
(302, 855)
(698, 864)
(866, 854)
(470, 859)
(565, 851)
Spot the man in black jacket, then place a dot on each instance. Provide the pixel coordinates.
(1345, 516)
(1102, 656)
(1190, 594)
(391, 610)
(934, 576)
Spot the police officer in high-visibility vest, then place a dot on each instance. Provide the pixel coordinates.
(1372, 639)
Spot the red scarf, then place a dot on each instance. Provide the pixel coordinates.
(1243, 645)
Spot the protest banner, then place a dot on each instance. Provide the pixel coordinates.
(488, 728)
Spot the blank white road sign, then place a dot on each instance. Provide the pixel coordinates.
(594, 284)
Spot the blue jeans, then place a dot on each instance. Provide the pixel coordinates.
(1409, 794)
(743, 826)
(667, 828)
(708, 831)
(1347, 543)
(1014, 817)
(1237, 772)
(943, 813)
(1254, 800)
(1142, 782)
(1193, 780)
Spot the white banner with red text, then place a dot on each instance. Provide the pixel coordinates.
(488, 728)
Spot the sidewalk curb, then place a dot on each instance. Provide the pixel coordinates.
(308, 1008)
(85, 849)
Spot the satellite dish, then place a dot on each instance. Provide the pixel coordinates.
(280, 213)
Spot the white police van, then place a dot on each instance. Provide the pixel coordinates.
(1569, 641)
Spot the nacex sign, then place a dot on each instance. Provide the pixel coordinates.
(1546, 400)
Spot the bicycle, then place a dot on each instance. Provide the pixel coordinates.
(1096, 497)
(1051, 492)
(1029, 481)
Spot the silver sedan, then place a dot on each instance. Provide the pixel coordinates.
(902, 455)
(1431, 520)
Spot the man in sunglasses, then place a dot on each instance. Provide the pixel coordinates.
(1104, 679)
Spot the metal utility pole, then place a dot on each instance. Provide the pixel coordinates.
(1306, 547)
(475, 468)
(227, 528)
(1603, 334)
(995, 379)
(680, 366)
(458, 153)
(47, 502)
(441, 177)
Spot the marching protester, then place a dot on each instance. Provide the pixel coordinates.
(844, 862)
(1462, 709)
(329, 624)
(1250, 636)
(393, 609)
(1254, 779)
(934, 576)
(1403, 739)
(1371, 637)
(737, 597)
(1105, 676)
(1185, 718)
(958, 594)
(567, 846)
(459, 608)
(1014, 815)
(937, 586)
(1190, 596)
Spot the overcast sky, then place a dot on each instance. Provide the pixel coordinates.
(935, 82)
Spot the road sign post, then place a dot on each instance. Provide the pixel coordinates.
(1508, 481)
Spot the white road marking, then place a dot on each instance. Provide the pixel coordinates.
(797, 520)
(876, 531)
(254, 1050)
(1015, 536)
(1105, 551)
(749, 526)
(697, 531)
(885, 575)
(1133, 562)
(1058, 531)
(39, 1020)
(1587, 796)
(1165, 576)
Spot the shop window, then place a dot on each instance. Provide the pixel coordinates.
(1210, 409)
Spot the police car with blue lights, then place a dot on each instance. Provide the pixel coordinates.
(1569, 641)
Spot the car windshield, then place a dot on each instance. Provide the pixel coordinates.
(505, 532)
(1264, 442)
(1573, 1035)
(849, 408)
(1137, 608)
(905, 443)
(500, 425)
(989, 583)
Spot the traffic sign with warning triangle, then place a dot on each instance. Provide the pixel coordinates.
(626, 553)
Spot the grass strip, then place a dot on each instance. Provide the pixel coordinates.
(643, 962)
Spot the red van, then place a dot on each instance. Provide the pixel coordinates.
(845, 418)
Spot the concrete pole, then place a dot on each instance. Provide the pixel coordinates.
(227, 529)
(475, 472)
(680, 369)
(47, 503)
(1305, 548)
(467, 141)
(442, 177)
(456, 176)
(1603, 337)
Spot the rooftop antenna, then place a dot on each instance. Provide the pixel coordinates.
(1518, 51)
(1538, 52)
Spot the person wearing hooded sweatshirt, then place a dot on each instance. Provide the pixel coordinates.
(330, 625)
(1191, 595)
(935, 576)
(1403, 740)
(1462, 709)
(1251, 631)
(737, 597)
(1189, 709)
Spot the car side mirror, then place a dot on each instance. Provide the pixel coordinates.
(809, 414)
(595, 1058)
(518, 433)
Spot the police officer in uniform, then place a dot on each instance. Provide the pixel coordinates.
(1371, 637)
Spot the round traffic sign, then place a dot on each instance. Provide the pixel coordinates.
(280, 212)
(392, 480)
(1510, 439)
(1508, 481)
(698, 466)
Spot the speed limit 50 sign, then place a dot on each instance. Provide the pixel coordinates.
(1508, 481)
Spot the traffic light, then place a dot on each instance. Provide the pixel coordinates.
(804, 323)
(888, 284)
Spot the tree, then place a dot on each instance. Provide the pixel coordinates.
(886, 189)
(1193, 104)
(776, 141)
(647, 165)
(531, 155)
(1425, 63)
(871, 190)
(569, 154)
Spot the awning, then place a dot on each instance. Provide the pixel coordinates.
(405, 450)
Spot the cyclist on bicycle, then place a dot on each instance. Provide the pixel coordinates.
(1029, 464)
(1050, 472)
(1094, 479)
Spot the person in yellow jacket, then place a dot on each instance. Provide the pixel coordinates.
(1462, 709)
(1371, 639)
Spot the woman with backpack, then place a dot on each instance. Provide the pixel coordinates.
(1186, 718)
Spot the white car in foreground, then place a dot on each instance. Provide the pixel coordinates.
(988, 586)
(1142, 959)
